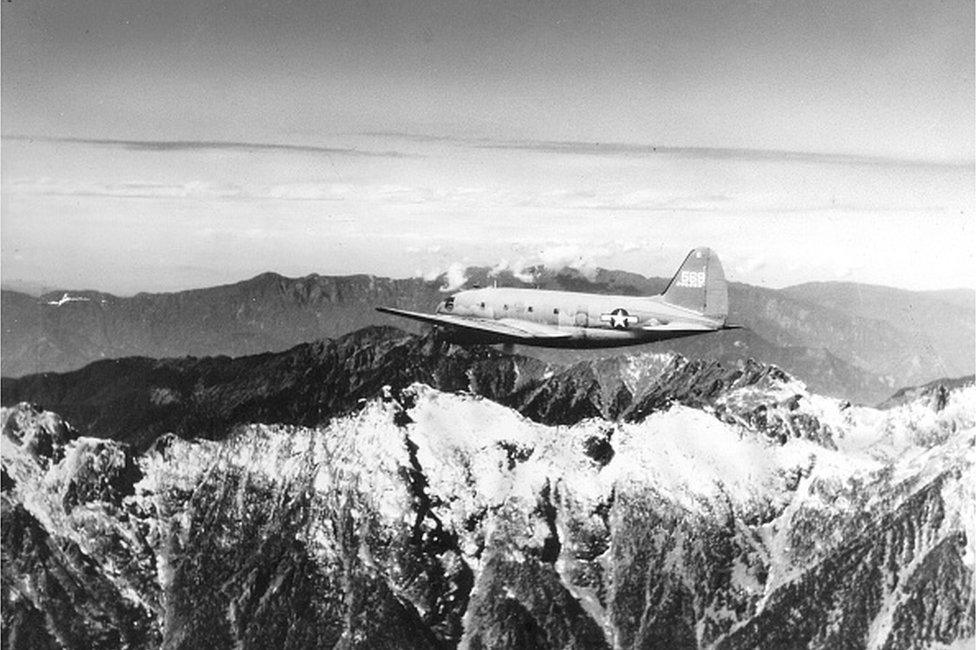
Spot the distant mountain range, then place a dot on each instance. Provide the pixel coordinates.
(854, 341)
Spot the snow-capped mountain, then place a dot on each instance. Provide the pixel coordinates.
(733, 511)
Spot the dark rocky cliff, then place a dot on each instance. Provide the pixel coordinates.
(137, 399)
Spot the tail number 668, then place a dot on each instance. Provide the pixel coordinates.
(693, 279)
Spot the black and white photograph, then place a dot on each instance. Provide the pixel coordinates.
(499, 324)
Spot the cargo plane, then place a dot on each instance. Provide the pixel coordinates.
(696, 301)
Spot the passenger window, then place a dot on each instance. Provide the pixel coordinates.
(482, 305)
(449, 303)
(530, 307)
(506, 307)
(556, 311)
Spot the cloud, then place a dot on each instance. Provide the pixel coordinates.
(645, 200)
(519, 269)
(480, 198)
(455, 276)
(190, 190)
(431, 249)
(166, 146)
(305, 191)
(555, 257)
(129, 190)
(340, 191)
(749, 265)
(582, 259)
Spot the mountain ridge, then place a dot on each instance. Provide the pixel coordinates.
(271, 312)
(428, 519)
(137, 399)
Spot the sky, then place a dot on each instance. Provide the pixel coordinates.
(168, 145)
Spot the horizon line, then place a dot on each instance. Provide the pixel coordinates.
(568, 147)
(637, 149)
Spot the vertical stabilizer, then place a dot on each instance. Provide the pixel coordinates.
(699, 285)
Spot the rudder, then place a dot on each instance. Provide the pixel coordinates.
(699, 285)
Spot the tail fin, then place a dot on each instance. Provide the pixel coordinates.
(700, 285)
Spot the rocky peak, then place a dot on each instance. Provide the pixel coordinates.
(430, 519)
(39, 434)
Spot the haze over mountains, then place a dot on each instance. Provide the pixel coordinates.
(854, 341)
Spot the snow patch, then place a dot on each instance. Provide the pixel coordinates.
(65, 299)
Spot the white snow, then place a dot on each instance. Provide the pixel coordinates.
(66, 299)
(484, 462)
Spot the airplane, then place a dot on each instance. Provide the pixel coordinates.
(696, 301)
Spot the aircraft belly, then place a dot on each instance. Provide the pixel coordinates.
(607, 334)
(602, 339)
(580, 337)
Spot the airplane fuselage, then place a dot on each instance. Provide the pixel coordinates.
(694, 302)
(590, 320)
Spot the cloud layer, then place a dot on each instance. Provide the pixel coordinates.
(775, 222)
(166, 146)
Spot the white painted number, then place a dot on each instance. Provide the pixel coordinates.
(694, 279)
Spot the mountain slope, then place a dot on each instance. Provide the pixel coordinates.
(936, 391)
(268, 313)
(428, 519)
(942, 322)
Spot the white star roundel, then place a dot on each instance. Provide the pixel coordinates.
(618, 319)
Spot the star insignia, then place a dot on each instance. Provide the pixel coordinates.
(618, 319)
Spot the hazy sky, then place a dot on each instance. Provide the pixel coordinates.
(157, 146)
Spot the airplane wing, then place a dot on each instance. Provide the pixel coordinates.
(512, 327)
